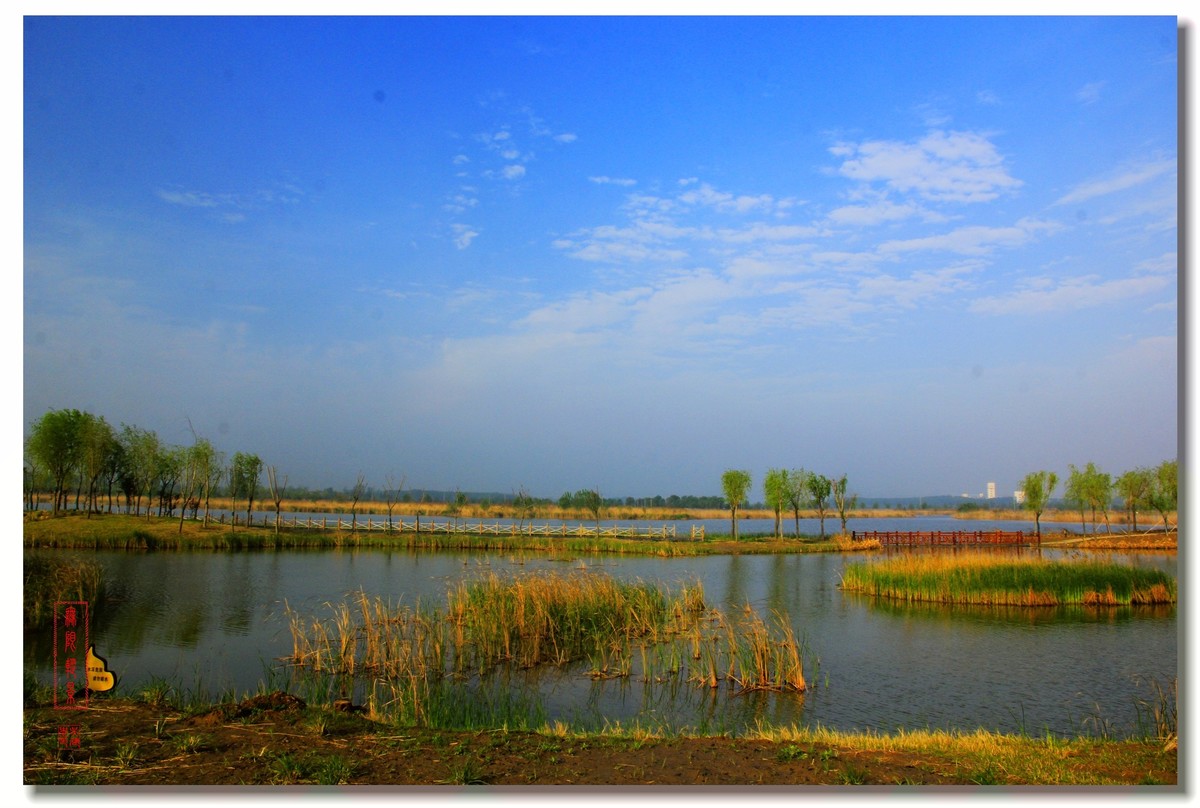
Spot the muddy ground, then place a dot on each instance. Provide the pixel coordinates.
(274, 739)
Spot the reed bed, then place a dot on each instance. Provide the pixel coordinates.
(418, 658)
(993, 580)
(55, 578)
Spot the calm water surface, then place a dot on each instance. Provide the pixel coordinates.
(217, 621)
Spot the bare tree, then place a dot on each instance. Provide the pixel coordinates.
(277, 490)
(391, 490)
(360, 487)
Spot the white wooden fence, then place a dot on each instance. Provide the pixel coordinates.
(478, 528)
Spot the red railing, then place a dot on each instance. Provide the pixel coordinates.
(948, 537)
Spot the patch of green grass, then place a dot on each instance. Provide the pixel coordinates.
(987, 776)
(333, 770)
(852, 776)
(791, 752)
(125, 755)
(189, 743)
(468, 772)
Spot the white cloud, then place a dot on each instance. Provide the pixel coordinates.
(974, 239)
(1090, 92)
(1043, 295)
(566, 137)
(460, 159)
(1129, 178)
(942, 166)
(605, 180)
(987, 98)
(873, 214)
(463, 235)
(513, 172)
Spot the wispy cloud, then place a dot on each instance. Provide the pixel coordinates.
(1128, 177)
(463, 235)
(1090, 92)
(942, 166)
(973, 239)
(1045, 295)
(605, 180)
(231, 207)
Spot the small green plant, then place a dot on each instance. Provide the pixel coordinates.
(987, 776)
(126, 753)
(285, 768)
(791, 752)
(156, 693)
(160, 728)
(468, 772)
(189, 743)
(334, 770)
(852, 776)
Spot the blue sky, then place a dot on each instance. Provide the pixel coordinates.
(625, 253)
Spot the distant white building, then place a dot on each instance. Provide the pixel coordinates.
(1019, 497)
(991, 494)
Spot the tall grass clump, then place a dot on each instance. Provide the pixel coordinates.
(435, 666)
(50, 578)
(986, 579)
(549, 618)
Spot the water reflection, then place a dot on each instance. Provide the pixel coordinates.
(220, 617)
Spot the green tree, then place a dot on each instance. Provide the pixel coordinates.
(1090, 489)
(244, 472)
(589, 499)
(567, 501)
(97, 444)
(841, 501)
(55, 443)
(775, 491)
(1164, 490)
(1133, 487)
(141, 448)
(735, 483)
(797, 494)
(1038, 487)
(819, 488)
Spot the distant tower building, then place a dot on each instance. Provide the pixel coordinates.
(991, 494)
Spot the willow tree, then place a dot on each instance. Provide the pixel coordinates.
(1038, 487)
(775, 490)
(797, 494)
(1164, 489)
(736, 484)
(1133, 487)
(819, 487)
(842, 502)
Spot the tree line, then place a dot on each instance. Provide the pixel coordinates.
(71, 452)
(794, 490)
(1092, 491)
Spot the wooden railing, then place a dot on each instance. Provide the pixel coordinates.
(943, 537)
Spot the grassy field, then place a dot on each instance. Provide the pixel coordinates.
(123, 532)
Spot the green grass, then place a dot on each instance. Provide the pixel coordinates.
(52, 577)
(126, 532)
(1002, 580)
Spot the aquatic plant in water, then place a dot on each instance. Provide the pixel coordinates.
(980, 578)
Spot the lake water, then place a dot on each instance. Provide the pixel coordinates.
(216, 620)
